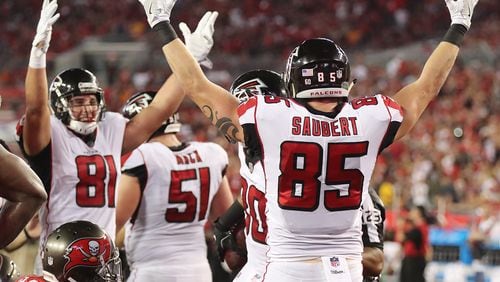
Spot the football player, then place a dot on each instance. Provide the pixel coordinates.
(252, 208)
(21, 195)
(76, 150)
(168, 190)
(373, 217)
(318, 148)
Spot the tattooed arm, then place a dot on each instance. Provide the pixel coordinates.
(228, 125)
(214, 101)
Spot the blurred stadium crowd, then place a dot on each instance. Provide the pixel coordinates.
(450, 161)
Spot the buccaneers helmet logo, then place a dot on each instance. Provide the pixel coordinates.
(87, 252)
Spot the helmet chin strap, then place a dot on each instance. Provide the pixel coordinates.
(83, 128)
(351, 85)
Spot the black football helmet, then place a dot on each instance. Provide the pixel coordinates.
(81, 251)
(8, 269)
(70, 83)
(142, 100)
(317, 68)
(258, 82)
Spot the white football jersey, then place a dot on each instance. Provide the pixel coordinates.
(82, 178)
(317, 170)
(254, 203)
(168, 225)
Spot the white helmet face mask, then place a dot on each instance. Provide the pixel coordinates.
(80, 127)
(83, 128)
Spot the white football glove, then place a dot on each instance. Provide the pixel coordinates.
(200, 42)
(461, 11)
(157, 10)
(48, 17)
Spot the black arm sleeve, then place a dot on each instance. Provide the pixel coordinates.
(252, 149)
(140, 172)
(41, 163)
(234, 215)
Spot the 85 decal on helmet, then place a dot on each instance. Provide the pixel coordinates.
(81, 251)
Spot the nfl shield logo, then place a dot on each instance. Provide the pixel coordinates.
(334, 261)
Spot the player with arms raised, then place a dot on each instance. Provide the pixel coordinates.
(168, 191)
(76, 150)
(318, 149)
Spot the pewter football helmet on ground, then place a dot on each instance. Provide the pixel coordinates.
(81, 251)
(8, 269)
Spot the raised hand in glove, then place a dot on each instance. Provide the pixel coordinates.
(157, 10)
(461, 11)
(48, 17)
(200, 42)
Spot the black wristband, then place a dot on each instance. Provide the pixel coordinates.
(455, 34)
(234, 215)
(166, 31)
